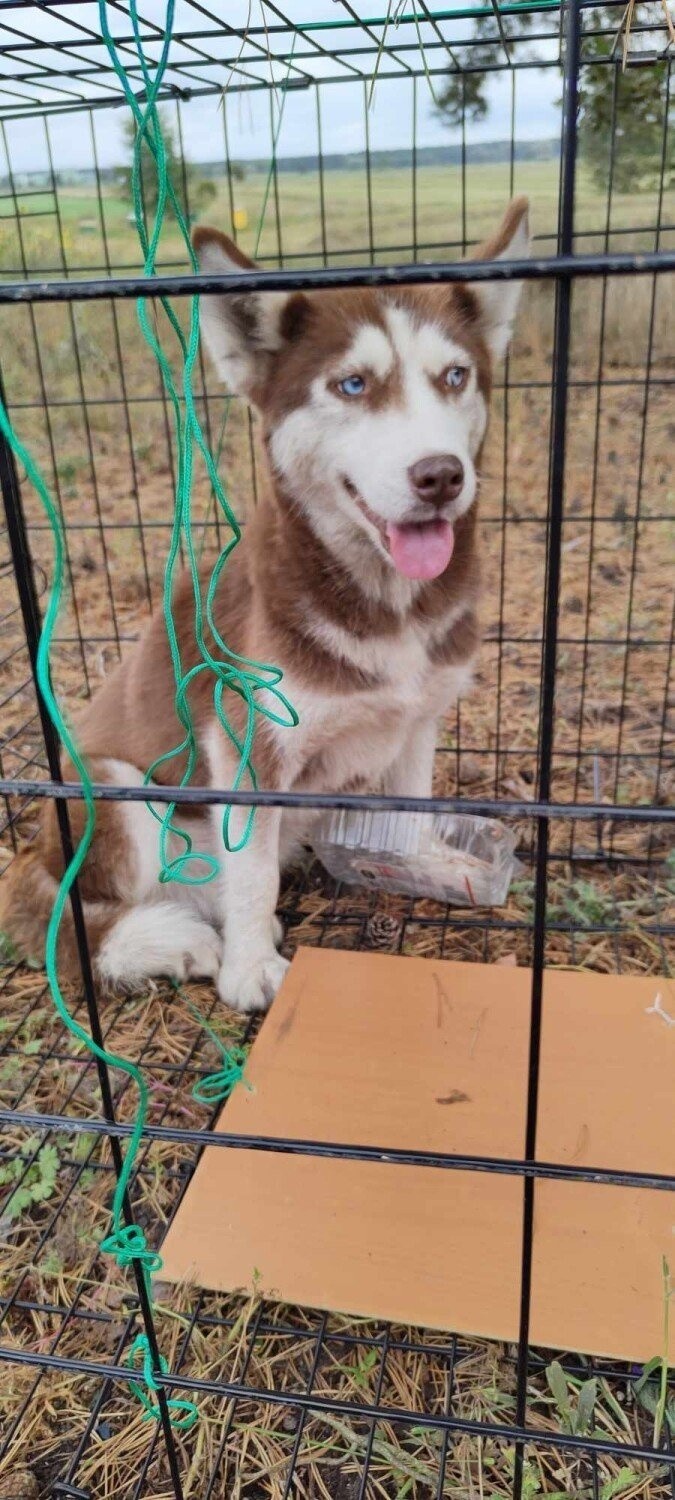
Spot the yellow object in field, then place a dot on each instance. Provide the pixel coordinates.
(240, 218)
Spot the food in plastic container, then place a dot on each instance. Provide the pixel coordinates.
(452, 857)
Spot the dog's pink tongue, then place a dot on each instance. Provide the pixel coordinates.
(421, 551)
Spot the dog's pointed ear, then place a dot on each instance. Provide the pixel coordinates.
(242, 329)
(498, 300)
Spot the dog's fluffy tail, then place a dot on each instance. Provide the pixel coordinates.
(128, 944)
(27, 895)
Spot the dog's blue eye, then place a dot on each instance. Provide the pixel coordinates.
(456, 377)
(354, 385)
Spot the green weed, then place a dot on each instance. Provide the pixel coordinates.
(585, 903)
(10, 1072)
(651, 1389)
(582, 902)
(38, 1181)
(531, 1477)
(620, 1482)
(9, 956)
(360, 1372)
(82, 1145)
(52, 1262)
(574, 1400)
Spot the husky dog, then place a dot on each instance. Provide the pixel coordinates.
(358, 575)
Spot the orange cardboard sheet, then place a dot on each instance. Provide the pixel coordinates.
(410, 1053)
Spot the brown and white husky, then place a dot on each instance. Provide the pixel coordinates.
(358, 575)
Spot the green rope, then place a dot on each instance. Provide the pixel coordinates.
(184, 1414)
(245, 677)
(126, 1242)
(217, 1086)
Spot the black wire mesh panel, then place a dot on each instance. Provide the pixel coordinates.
(333, 42)
(576, 527)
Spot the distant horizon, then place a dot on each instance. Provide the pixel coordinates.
(451, 149)
(449, 152)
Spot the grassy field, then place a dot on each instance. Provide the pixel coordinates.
(431, 211)
(89, 235)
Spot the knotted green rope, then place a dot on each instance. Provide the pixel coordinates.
(184, 1414)
(219, 1085)
(128, 1245)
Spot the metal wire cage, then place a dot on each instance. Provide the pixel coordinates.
(570, 736)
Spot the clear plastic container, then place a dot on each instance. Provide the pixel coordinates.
(454, 858)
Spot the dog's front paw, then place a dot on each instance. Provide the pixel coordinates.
(252, 984)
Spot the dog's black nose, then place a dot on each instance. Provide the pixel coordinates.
(437, 479)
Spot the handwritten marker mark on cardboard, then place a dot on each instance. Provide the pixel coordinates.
(476, 1031)
(443, 1002)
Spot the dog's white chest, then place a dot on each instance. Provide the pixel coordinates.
(358, 734)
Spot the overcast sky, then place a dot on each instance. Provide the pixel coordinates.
(248, 115)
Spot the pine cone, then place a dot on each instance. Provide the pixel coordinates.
(21, 1485)
(383, 931)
